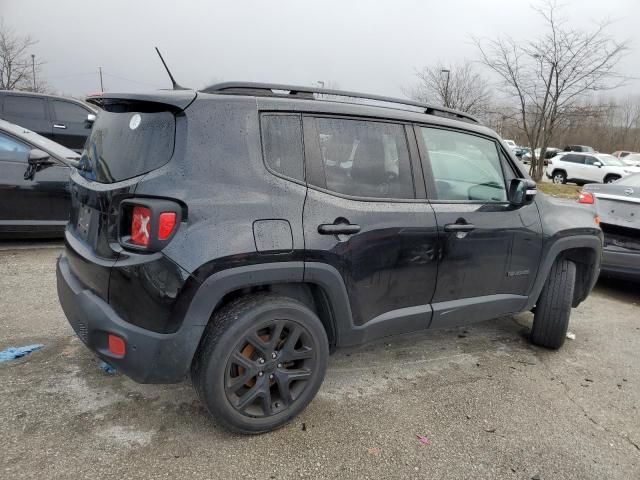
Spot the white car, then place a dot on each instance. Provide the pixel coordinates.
(632, 160)
(587, 167)
(511, 144)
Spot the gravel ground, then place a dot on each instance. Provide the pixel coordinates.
(490, 404)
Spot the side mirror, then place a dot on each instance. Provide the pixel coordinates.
(88, 123)
(522, 191)
(37, 159)
(598, 164)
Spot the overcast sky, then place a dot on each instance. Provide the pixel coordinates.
(369, 46)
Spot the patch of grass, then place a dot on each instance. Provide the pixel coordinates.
(559, 190)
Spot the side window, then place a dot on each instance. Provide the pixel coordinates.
(282, 144)
(69, 112)
(26, 107)
(464, 166)
(573, 158)
(12, 150)
(365, 158)
(590, 160)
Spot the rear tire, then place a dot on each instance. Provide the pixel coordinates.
(552, 312)
(261, 361)
(559, 177)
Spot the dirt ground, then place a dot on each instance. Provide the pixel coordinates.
(490, 404)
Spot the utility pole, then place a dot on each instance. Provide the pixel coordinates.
(446, 88)
(101, 85)
(33, 70)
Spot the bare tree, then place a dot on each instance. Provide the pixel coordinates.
(455, 86)
(549, 76)
(17, 66)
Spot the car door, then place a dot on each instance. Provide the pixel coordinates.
(592, 172)
(576, 169)
(489, 250)
(70, 126)
(364, 218)
(40, 203)
(28, 112)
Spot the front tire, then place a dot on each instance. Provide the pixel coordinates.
(262, 360)
(552, 312)
(611, 178)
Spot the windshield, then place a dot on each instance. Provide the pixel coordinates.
(127, 144)
(630, 181)
(611, 161)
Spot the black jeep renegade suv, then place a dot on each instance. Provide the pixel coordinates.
(241, 233)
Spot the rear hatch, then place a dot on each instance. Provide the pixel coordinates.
(133, 135)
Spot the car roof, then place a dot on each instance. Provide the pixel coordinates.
(43, 143)
(46, 95)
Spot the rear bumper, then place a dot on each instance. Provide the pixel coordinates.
(621, 263)
(150, 357)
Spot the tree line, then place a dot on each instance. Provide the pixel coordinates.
(541, 91)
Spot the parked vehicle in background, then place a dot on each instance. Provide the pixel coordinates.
(550, 153)
(511, 144)
(621, 153)
(208, 239)
(618, 206)
(632, 159)
(584, 168)
(579, 149)
(66, 121)
(34, 183)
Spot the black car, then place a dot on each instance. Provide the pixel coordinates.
(240, 233)
(34, 184)
(66, 121)
(618, 207)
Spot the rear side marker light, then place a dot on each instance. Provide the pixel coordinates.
(116, 345)
(585, 197)
(140, 226)
(167, 221)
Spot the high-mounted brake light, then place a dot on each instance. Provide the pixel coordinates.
(140, 226)
(585, 197)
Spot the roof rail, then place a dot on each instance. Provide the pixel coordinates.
(309, 93)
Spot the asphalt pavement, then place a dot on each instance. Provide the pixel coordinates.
(488, 404)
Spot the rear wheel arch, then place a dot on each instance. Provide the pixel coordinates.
(318, 286)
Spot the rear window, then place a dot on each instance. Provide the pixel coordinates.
(127, 144)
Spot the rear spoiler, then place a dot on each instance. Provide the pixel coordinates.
(178, 99)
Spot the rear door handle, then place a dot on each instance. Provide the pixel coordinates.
(338, 229)
(459, 227)
(59, 125)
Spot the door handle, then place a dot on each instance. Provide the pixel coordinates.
(59, 125)
(459, 227)
(338, 229)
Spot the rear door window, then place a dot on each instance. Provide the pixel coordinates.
(25, 107)
(364, 158)
(464, 166)
(127, 144)
(282, 144)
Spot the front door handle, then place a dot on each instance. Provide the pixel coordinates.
(338, 229)
(59, 125)
(459, 227)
